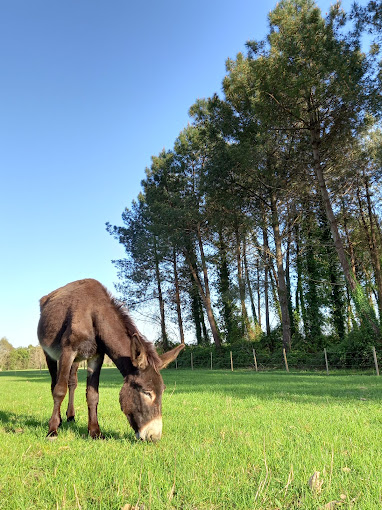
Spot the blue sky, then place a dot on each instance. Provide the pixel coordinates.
(90, 90)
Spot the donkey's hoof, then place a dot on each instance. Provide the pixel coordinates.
(70, 418)
(96, 435)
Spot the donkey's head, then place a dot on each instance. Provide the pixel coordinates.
(141, 393)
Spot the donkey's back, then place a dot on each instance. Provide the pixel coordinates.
(69, 317)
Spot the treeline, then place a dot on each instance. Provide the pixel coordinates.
(26, 358)
(20, 358)
(263, 220)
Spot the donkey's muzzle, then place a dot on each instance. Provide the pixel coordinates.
(152, 431)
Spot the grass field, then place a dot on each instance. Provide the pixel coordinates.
(231, 440)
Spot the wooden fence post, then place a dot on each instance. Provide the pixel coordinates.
(176, 364)
(254, 358)
(211, 360)
(326, 362)
(375, 360)
(230, 352)
(286, 361)
(192, 363)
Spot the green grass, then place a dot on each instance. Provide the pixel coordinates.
(231, 440)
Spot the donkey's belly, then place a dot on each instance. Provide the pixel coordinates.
(85, 350)
(53, 352)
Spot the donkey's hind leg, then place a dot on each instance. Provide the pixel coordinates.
(72, 384)
(52, 367)
(59, 391)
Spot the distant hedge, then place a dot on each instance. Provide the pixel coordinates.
(242, 356)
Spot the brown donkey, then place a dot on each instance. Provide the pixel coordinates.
(81, 321)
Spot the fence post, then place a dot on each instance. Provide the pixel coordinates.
(192, 363)
(326, 361)
(176, 364)
(230, 352)
(211, 360)
(286, 361)
(254, 358)
(375, 360)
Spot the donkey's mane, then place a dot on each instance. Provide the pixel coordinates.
(153, 358)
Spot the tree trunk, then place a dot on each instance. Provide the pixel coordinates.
(177, 298)
(196, 309)
(225, 290)
(206, 339)
(334, 275)
(331, 218)
(160, 298)
(258, 292)
(244, 315)
(352, 282)
(282, 289)
(204, 293)
(299, 290)
(266, 280)
(275, 290)
(313, 317)
(196, 296)
(207, 304)
(374, 249)
(350, 244)
(287, 278)
(248, 281)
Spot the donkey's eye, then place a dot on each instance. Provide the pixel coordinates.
(147, 394)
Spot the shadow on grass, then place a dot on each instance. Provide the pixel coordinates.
(278, 385)
(13, 423)
(16, 423)
(111, 375)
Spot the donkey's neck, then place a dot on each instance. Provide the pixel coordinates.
(124, 365)
(118, 348)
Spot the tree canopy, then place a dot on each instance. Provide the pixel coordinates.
(265, 213)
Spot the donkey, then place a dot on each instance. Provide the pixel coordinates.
(82, 321)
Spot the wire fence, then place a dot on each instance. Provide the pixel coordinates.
(326, 360)
(249, 356)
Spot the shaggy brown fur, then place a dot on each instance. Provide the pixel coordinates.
(153, 358)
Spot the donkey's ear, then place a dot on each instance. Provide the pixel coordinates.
(170, 356)
(138, 353)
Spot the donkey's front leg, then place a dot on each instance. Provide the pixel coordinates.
(59, 391)
(94, 369)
